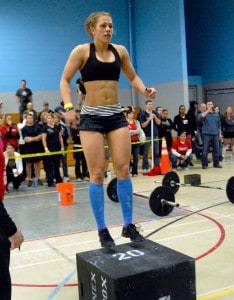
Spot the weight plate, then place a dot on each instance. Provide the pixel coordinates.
(158, 194)
(230, 189)
(112, 190)
(171, 180)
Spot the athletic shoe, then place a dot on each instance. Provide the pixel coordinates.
(66, 179)
(30, 183)
(79, 179)
(131, 232)
(39, 182)
(106, 239)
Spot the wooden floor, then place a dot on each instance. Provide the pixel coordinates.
(45, 267)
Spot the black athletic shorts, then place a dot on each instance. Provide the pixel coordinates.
(103, 124)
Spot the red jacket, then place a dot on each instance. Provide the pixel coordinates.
(10, 134)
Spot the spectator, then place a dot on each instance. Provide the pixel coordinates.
(183, 123)
(211, 133)
(228, 131)
(134, 129)
(30, 110)
(217, 110)
(165, 127)
(150, 121)
(10, 133)
(23, 96)
(45, 109)
(31, 133)
(52, 141)
(20, 126)
(14, 167)
(80, 88)
(181, 151)
(81, 169)
(10, 238)
(65, 135)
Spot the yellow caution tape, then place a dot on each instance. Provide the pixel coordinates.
(66, 151)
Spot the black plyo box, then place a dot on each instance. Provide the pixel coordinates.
(192, 179)
(147, 271)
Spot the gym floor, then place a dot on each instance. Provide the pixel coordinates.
(45, 266)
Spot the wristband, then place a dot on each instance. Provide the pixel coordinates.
(68, 106)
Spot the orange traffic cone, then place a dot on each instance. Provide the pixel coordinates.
(165, 161)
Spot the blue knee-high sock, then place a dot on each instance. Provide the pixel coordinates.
(125, 196)
(96, 196)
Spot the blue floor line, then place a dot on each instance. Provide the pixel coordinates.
(61, 285)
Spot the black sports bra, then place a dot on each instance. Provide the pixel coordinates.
(95, 69)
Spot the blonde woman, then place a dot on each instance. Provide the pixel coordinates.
(100, 64)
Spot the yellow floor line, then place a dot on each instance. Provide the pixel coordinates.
(218, 294)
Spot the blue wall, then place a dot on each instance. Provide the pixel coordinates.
(37, 37)
(160, 40)
(210, 39)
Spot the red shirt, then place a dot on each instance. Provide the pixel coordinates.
(133, 126)
(181, 147)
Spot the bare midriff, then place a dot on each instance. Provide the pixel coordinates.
(101, 92)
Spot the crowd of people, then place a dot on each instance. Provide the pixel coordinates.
(198, 131)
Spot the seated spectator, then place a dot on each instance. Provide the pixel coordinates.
(31, 111)
(181, 151)
(10, 133)
(45, 109)
(14, 167)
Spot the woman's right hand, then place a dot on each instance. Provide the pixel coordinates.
(70, 117)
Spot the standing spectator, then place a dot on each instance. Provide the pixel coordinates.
(14, 167)
(192, 114)
(228, 131)
(32, 136)
(65, 135)
(80, 88)
(20, 126)
(10, 133)
(159, 110)
(81, 169)
(181, 150)
(30, 110)
(45, 109)
(150, 121)
(183, 123)
(134, 129)
(217, 110)
(23, 96)
(165, 127)
(10, 238)
(52, 141)
(211, 133)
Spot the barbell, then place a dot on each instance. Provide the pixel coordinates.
(162, 198)
(172, 181)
